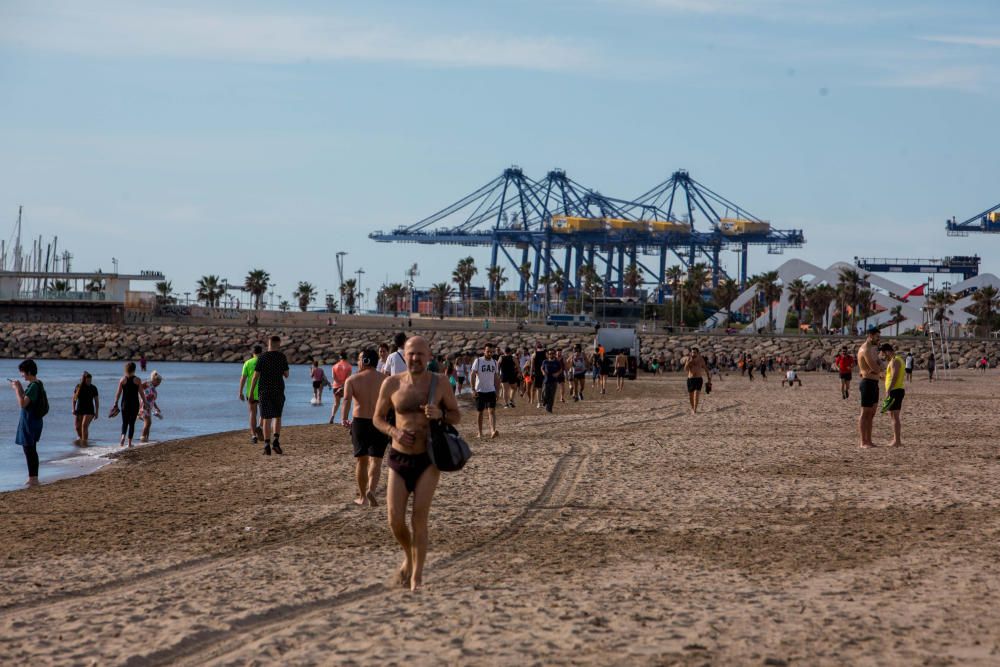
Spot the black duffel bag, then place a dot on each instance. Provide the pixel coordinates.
(447, 449)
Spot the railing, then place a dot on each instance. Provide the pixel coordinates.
(46, 295)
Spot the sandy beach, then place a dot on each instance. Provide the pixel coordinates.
(618, 531)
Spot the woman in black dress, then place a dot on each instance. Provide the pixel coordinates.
(131, 399)
(85, 408)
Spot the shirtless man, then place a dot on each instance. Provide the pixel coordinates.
(412, 472)
(621, 369)
(868, 367)
(369, 442)
(696, 367)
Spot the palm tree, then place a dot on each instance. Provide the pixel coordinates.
(558, 282)
(865, 304)
(897, 317)
(797, 295)
(496, 279)
(59, 287)
(284, 306)
(462, 276)
(985, 301)
(304, 294)
(818, 299)
(674, 275)
(164, 293)
(256, 283)
(349, 290)
(95, 285)
(331, 303)
(632, 278)
(724, 294)
(209, 290)
(848, 286)
(525, 272)
(767, 284)
(392, 293)
(939, 303)
(440, 293)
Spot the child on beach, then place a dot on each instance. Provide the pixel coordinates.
(34, 406)
(149, 407)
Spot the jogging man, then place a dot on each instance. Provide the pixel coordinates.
(340, 372)
(844, 363)
(412, 472)
(484, 389)
(369, 442)
(269, 379)
(868, 367)
(894, 389)
(248, 368)
(695, 367)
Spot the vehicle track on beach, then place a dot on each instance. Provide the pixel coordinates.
(211, 646)
(215, 645)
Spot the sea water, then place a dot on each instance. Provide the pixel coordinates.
(195, 398)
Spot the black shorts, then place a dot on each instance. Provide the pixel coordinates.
(317, 384)
(368, 440)
(486, 399)
(538, 379)
(897, 399)
(271, 406)
(620, 372)
(845, 376)
(695, 384)
(869, 393)
(508, 379)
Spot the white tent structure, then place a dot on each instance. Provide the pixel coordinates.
(911, 310)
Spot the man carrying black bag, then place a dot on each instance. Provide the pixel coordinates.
(412, 471)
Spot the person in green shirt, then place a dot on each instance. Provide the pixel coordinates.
(34, 405)
(249, 366)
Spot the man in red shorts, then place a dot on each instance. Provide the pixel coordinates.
(844, 363)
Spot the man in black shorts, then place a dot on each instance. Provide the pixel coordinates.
(269, 381)
(871, 371)
(696, 367)
(508, 377)
(484, 387)
(369, 443)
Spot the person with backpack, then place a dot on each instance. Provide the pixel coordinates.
(34, 405)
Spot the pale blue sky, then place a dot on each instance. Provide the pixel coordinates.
(213, 137)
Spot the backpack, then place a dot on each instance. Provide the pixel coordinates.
(446, 448)
(40, 407)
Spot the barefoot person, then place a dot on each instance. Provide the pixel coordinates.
(361, 391)
(484, 388)
(508, 376)
(578, 364)
(411, 469)
(318, 378)
(130, 393)
(150, 408)
(844, 363)
(868, 367)
(340, 372)
(552, 370)
(34, 406)
(895, 378)
(269, 380)
(251, 398)
(86, 407)
(621, 369)
(695, 367)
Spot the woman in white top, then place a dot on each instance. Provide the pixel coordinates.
(461, 372)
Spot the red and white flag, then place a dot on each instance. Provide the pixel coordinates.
(916, 291)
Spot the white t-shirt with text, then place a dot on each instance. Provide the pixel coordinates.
(486, 375)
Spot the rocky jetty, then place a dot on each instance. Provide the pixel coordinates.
(302, 345)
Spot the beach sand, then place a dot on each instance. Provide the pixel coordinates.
(618, 531)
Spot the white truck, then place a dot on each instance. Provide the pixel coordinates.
(618, 339)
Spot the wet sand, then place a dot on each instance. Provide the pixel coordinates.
(618, 531)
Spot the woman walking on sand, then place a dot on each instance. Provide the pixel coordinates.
(85, 408)
(130, 393)
(34, 406)
(149, 407)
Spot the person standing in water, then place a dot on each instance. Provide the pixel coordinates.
(412, 472)
(34, 404)
(130, 394)
(361, 390)
(269, 379)
(86, 407)
(149, 408)
(251, 398)
(318, 380)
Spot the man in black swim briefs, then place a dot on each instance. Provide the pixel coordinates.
(695, 367)
(871, 371)
(369, 442)
(411, 469)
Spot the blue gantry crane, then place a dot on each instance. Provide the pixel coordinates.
(528, 223)
(988, 221)
(966, 265)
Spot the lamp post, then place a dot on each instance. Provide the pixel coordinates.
(340, 277)
(359, 273)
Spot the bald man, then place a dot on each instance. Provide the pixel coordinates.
(411, 470)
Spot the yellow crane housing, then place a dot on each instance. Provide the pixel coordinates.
(567, 224)
(669, 227)
(738, 226)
